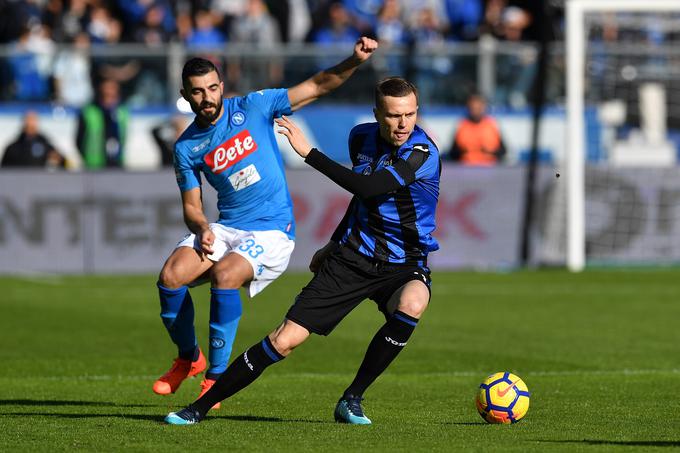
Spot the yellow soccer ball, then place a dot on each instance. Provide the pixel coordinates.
(502, 398)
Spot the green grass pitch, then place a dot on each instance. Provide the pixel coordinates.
(599, 351)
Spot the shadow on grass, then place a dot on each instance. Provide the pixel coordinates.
(28, 402)
(464, 423)
(160, 418)
(632, 443)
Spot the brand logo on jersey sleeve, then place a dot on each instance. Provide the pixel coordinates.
(422, 147)
(230, 152)
(364, 158)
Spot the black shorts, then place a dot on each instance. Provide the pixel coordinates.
(344, 280)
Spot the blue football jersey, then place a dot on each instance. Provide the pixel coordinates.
(395, 227)
(240, 159)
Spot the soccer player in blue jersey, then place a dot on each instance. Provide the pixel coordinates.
(232, 143)
(379, 251)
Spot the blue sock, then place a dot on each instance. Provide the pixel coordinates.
(177, 313)
(225, 312)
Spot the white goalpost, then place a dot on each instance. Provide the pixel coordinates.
(577, 47)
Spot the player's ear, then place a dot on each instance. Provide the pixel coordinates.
(375, 113)
(183, 93)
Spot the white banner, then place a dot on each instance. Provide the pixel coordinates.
(122, 222)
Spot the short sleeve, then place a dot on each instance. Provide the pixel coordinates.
(272, 102)
(187, 177)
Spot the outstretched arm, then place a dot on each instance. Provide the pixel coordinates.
(363, 186)
(326, 81)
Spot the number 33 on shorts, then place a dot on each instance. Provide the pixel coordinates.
(253, 249)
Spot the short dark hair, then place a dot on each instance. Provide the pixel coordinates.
(196, 67)
(397, 87)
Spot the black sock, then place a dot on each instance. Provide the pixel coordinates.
(385, 346)
(242, 371)
(192, 354)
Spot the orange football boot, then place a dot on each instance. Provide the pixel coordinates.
(180, 370)
(205, 386)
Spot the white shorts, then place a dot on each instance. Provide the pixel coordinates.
(268, 252)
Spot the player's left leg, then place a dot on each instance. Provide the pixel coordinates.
(228, 275)
(387, 343)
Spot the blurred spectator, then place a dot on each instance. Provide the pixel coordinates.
(411, 10)
(505, 21)
(478, 139)
(256, 29)
(516, 69)
(66, 19)
(205, 34)
(336, 31)
(390, 31)
(72, 75)
(464, 19)
(103, 28)
(428, 36)
(102, 129)
(363, 13)
(337, 28)
(29, 62)
(166, 134)
(156, 27)
(299, 20)
(140, 17)
(31, 148)
(389, 27)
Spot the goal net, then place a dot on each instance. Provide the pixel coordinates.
(618, 203)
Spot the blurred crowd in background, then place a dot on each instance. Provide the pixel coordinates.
(49, 48)
(102, 59)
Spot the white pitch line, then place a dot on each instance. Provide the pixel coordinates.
(453, 374)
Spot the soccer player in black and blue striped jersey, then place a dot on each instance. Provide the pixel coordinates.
(379, 251)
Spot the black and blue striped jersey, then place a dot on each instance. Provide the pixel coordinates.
(391, 217)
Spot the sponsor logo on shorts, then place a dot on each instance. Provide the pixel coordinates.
(260, 269)
(421, 275)
(244, 177)
(230, 152)
(184, 238)
(216, 343)
(367, 170)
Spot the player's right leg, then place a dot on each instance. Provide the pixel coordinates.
(184, 266)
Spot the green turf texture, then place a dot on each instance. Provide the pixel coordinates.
(599, 351)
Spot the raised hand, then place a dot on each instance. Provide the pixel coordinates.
(294, 135)
(364, 48)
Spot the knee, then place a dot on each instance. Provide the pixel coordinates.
(226, 279)
(285, 340)
(169, 278)
(283, 344)
(414, 305)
